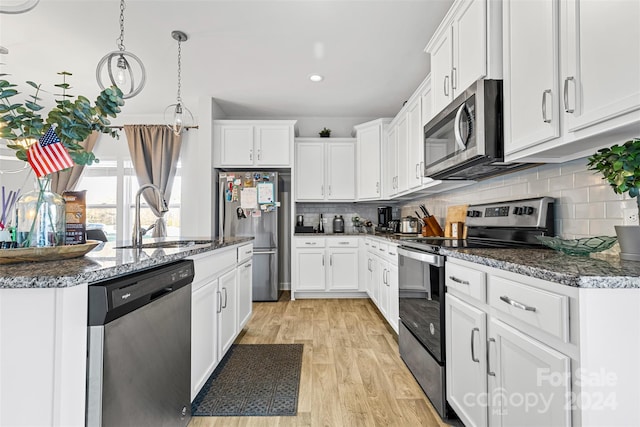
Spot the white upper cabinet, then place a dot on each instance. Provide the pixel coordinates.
(465, 47)
(402, 135)
(601, 64)
(531, 91)
(571, 77)
(369, 137)
(390, 163)
(325, 169)
(263, 143)
(415, 144)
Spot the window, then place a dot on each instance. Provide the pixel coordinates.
(111, 188)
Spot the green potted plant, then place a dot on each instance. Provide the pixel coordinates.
(325, 133)
(40, 218)
(620, 166)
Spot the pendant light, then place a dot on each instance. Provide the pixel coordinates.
(118, 67)
(177, 116)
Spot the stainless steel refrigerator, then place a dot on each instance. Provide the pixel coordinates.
(248, 206)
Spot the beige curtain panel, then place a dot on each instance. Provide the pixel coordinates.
(155, 150)
(66, 180)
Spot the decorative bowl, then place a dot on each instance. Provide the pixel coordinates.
(581, 247)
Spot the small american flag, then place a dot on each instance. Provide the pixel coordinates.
(48, 155)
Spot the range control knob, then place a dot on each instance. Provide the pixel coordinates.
(473, 214)
(517, 210)
(527, 210)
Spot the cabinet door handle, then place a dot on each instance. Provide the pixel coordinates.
(454, 78)
(251, 154)
(259, 154)
(225, 298)
(377, 187)
(369, 264)
(473, 345)
(329, 189)
(421, 167)
(517, 304)
(384, 276)
(322, 189)
(489, 371)
(417, 170)
(566, 94)
(446, 85)
(387, 274)
(331, 260)
(544, 105)
(219, 309)
(462, 282)
(323, 260)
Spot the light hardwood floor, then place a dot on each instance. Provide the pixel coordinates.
(352, 374)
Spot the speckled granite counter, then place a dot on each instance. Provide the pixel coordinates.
(103, 262)
(597, 271)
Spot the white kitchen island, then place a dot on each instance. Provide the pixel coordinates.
(43, 328)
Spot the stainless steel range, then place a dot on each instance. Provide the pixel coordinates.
(421, 336)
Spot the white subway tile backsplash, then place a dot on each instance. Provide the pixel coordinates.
(601, 227)
(586, 204)
(590, 210)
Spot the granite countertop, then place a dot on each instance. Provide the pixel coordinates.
(103, 262)
(595, 271)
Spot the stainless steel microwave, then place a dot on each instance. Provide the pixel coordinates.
(465, 140)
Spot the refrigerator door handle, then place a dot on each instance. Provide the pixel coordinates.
(221, 210)
(263, 252)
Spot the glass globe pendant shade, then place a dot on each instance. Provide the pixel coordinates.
(178, 117)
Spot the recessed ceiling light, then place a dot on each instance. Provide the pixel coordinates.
(316, 78)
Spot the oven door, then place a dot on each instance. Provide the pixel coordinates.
(421, 286)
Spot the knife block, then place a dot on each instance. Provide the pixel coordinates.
(431, 227)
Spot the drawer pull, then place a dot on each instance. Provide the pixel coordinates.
(310, 243)
(343, 243)
(381, 249)
(473, 346)
(462, 282)
(517, 304)
(249, 252)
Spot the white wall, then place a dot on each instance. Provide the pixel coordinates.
(585, 204)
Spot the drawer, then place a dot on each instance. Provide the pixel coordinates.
(245, 252)
(466, 280)
(211, 264)
(382, 248)
(545, 310)
(311, 242)
(373, 244)
(342, 242)
(392, 253)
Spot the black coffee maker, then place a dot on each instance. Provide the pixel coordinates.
(384, 216)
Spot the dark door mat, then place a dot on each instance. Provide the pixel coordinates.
(253, 380)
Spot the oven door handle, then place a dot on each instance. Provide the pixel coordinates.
(431, 259)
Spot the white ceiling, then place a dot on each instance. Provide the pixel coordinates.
(253, 57)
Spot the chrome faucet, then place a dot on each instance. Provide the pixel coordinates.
(138, 231)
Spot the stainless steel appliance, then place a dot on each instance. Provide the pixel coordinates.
(385, 214)
(139, 348)
(410, 225)
(248, 206)
(421, 280)
(465, 140)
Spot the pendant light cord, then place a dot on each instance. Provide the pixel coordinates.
(120, 40)
(179, 99)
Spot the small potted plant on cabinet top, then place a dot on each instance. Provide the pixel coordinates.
(325, 133)
(620, 166)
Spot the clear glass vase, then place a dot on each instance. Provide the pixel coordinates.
(40, 217)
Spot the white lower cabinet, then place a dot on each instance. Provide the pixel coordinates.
(326, 264)
(220, 307)
(245, 292)
(500, 370)
(466, 339)
(227, 311)
(529, 382)
(382, 279)
(204, 325)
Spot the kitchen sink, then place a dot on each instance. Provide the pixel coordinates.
(169, 244)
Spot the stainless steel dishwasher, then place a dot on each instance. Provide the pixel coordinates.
(139, 349)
